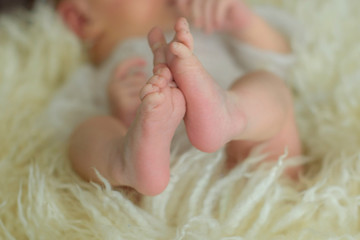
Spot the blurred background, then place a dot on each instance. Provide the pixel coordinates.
(9, 5)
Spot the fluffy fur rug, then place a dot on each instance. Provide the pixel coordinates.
(42, 198)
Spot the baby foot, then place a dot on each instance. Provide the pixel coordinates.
(124, 88)
(212, 118)
(147, 143)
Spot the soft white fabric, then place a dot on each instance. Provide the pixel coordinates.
(225, 58)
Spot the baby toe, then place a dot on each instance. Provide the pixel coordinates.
(183, 34)
(147, 90)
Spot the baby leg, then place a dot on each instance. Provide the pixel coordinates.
(268, 106)
(212, 117)
(255, 109)
(138, 157)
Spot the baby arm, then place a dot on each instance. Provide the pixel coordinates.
(237, 19)
(124, 87)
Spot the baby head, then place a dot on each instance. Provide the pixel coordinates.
(102, 24)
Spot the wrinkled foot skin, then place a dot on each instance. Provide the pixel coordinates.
(211, 117)
(147, 143)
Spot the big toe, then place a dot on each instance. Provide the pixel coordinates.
(183, 34)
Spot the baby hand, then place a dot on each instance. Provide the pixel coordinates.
(215, 15)
(124, 89)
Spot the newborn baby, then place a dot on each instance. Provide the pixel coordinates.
(218, 88)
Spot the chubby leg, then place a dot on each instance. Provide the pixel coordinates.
(255, 109)
(213, 116)
(271, 121)
(137, 157)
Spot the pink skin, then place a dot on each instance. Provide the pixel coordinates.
(132, 147)
(146, 149)
(210, 15)
(215, 117)
(138, 156)
(211, 119)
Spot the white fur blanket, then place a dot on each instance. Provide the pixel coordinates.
(42, 198)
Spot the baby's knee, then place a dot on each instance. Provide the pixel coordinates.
(275, 83)
(266, 75)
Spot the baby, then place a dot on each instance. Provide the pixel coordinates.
(131, 146)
